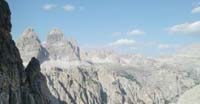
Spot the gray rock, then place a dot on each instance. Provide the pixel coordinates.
(30, 46)
(61, 49)
(11, 67)
(35, 86)
(191, 96)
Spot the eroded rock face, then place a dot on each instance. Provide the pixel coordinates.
(30, 46)
(16, 85)
(55, 36)
(191, 96)
(146, 82)
(61, 49)
(75, 87)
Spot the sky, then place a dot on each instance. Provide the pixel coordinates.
(149, 27)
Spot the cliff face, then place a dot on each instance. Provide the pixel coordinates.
(29, 45)
(61, 49)
(191, 96)
(18, 86)
(55, 48)
(11, 67)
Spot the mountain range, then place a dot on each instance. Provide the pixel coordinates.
(101, 76)
(57, 71)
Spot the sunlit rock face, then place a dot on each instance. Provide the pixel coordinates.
(191, 96)
(55, 36)
(60, 48)
(30, 46)
(116, 84)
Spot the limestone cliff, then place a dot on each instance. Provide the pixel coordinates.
(61, 49)
(30, 46)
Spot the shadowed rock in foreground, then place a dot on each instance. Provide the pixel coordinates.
(35, 90)
(18, 86)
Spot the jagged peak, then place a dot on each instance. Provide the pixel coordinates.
(29, 32)
(55, 35)
(33, 65)
(56, 31)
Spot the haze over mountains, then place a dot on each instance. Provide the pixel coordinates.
(78, 76)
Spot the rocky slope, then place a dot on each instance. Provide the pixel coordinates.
(104, 77)
(18, 85)
(116, 84)
(191, 96)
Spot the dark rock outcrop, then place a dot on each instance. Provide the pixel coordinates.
(35, 85)
(11, 68)
(18, 86)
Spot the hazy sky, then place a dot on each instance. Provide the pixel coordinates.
(135, 26)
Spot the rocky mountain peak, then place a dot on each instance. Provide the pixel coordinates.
(56, 47)
(30, 33)
(33, 66)
(30, 46)
(55, 36)
(60, 48)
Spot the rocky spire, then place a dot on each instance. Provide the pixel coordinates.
(36, 81)
(30, 46)
(60, 48)
(55, 36)
(29, 32)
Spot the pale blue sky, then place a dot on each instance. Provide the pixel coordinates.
(134, 26)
